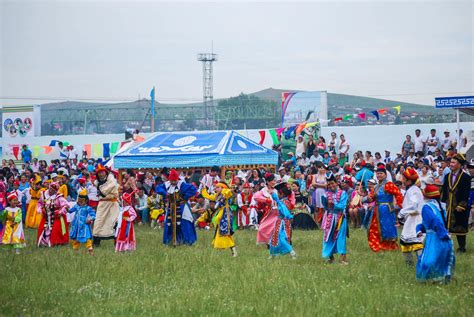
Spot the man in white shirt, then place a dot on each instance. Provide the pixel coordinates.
(315, 157)
(303, 160)
(72, 152)
(387, 159)
(419, 141)
(209, 179)
(411, 157)
(344, 146)
(447, 142)
(432, 142)
(282, 176)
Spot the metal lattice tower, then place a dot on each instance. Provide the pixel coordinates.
(207, 59)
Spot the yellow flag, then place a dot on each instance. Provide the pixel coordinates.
(397, 108)
(36, 150)
(310, 124)
(97, 150)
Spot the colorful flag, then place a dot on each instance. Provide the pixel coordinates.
(36, 150)
(300, 128)
(347, 117)
(96, 150)
(106, 150)
(279, 131)
(382, 111)
(337, 119)
(262, 136)
(274, 136)
(361, 115)
(88, 149)
(114, 147)
(53, 142)
(289, 132)
(285, 100)
(397, 108)
(16, 151)
(376, 114)
(47, 149)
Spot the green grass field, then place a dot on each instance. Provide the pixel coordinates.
(195, 281)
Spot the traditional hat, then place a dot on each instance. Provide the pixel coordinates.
(372, 181)
(470, 164)
(54, 175)
(222, 185)
(12, 196)
(37, 179)
(269, 177)
(16, 183)
(431, 191)
(282, 168)
(101, 168)
(54, 185)
(246, 185)
(83, 193)
(82, 180)
(410, 174)
(173, 176)
(348, 180)
(126, 197)
(381, 170)
(460, 158)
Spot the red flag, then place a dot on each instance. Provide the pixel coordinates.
(16, 150)
(337, 119)
(361, 115)
(382, 111)
(262, 136)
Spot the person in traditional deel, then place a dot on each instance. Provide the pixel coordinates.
(181, 192)
(455, 193)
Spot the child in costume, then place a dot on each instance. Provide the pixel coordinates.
(223, 220)
(205, 219)
(157, 209)
(53, 228)
(437, 260)
(81, 225)
(334, 224)
(12, 232)
(125, 232)
(280, 241)
(410, 216)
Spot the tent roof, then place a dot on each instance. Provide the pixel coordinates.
(195, 149)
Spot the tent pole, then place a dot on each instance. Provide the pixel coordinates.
(458, 136)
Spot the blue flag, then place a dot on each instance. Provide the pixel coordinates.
(106, 150)
(152, 96)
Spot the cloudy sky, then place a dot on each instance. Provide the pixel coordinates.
(117, 50)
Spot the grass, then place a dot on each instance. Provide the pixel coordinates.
(194, 281)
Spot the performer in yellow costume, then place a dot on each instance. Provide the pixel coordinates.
(12, 233)
(223, 220)
(33, 218)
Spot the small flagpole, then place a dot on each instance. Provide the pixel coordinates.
(153, 109)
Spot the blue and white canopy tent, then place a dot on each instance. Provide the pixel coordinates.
(196, 149)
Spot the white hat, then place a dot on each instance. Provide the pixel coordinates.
(53, 175)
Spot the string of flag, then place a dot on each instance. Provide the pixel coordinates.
(104, 150)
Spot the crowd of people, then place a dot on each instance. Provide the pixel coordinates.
(427, 189)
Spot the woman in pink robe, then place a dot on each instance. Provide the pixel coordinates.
(268, 208)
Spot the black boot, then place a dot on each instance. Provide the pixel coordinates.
(96, 242)
(461, 243)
